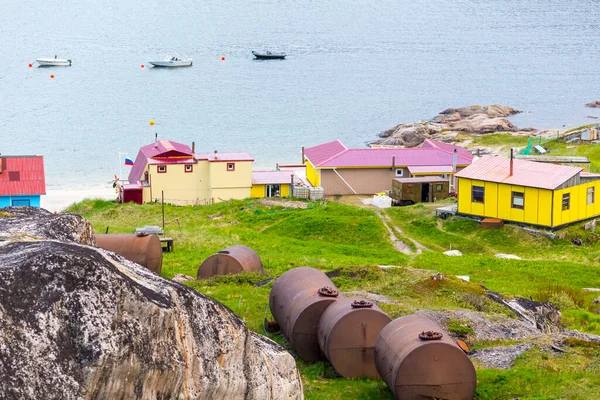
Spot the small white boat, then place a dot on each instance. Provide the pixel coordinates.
(53, 62)
(172, 62)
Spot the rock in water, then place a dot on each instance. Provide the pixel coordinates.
(593, 104)
(80, 322)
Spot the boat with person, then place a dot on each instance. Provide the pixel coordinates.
(170, 61)
(269, 55)
(53, 62)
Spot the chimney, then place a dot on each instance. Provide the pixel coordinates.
(454, 161)
(156, 140)
(216, 155)
(194, 147)
(511, 162)
(303, 155)
(393, 163)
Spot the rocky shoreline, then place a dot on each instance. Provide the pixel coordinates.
(448, 124)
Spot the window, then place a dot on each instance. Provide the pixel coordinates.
(230, 166)
(161, 169)
(21, 203)
(590, 195)
(189, 168)
(399, 172)
(444, 176)
(566, 201)
(518, 200)
(477, 194)
(439, 187)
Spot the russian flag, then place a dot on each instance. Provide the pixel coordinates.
(128, 161)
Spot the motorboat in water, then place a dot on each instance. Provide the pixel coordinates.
(53, 62)
(269, 55)
(170, 61)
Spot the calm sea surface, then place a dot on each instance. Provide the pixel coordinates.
(354, 68)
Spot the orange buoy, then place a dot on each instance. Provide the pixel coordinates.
(222, 58)
(52, 76)
(30, 65)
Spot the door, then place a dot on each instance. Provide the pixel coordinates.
(425, 193)
(272, 191)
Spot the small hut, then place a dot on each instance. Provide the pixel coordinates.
(422, 189)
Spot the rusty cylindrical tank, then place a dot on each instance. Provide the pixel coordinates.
(347, 333)
(144, 250)
(298, 299)
(232, 260)
(417, 362)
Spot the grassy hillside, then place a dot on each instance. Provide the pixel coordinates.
(330, 236)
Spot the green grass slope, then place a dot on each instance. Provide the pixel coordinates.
(329, 236)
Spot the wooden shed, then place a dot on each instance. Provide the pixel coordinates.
(422, 189)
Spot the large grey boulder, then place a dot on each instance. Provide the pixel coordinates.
(78, 322)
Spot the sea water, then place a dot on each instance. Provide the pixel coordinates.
(354, 68)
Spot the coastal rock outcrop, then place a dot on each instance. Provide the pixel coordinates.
(450, 122)
(593, 104)
(81, 322)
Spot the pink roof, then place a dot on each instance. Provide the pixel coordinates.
(273, 177)
(525, 173)
(382, 157)
(335, 154)
(22, 175)
(462, 152)
(431, 169)
(323, 152)
(163, 149)
(169, 152)
(233, 156)
(422, 179)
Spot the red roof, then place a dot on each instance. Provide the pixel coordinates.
(525, 173)
(273, 177)
(22, 175)
(335, 154)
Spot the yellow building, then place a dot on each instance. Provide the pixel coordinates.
(273, 183)
(183, 177)
(527, 192)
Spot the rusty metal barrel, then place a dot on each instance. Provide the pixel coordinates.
(298, 299)
(232, 260)
(347, 333)
(418, 360)
(144, 250)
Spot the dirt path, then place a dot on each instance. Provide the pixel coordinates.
(399, 244)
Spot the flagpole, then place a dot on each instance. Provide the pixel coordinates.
(119, 178)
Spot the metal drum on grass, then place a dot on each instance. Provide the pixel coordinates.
(347, 333)
(418, 360)
(298, 299)
(232, 260)
(144, 250)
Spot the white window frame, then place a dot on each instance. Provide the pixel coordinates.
(399, 172)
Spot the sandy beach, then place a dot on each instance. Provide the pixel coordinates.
(59, 199)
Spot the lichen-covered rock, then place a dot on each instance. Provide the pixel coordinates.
(39, 223)
(77, 322)
(473, 119)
